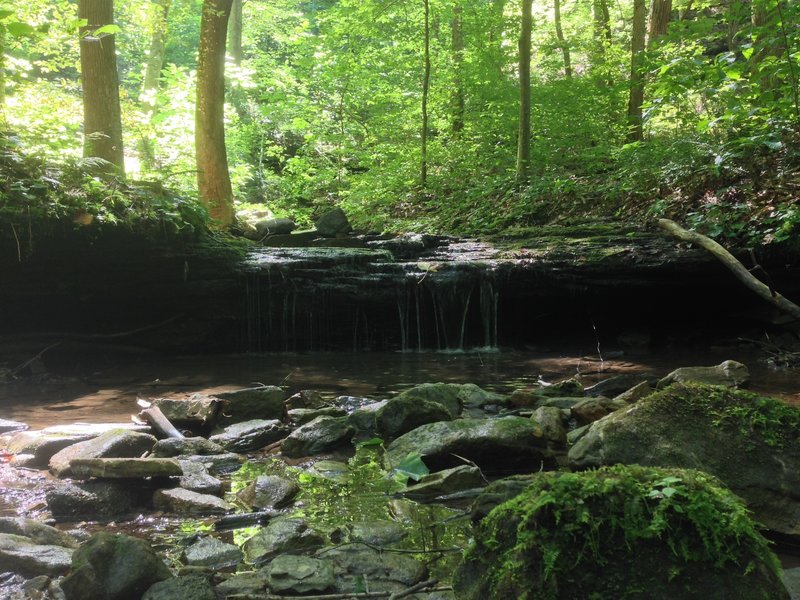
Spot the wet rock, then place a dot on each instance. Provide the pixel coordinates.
(297, 239)
(636, 393)
(269, 492)
(558, 402)
(197, 412)
(189, 587)
(196, 478)
(405, 246)
(281, 536)
(791, 579)
(250, 435)
(503, 444)
(214, 553)
(7, 426)
(333, 223)
(443, 483)
(309, 399)
(577, 433)
(339, 242)
(263, 402)
(334, 470)
(184, 502)
(614, 386)
(351, 404)
(196, 446)
(739, 437)
(448, 395)
(37, 532)
(42, 446)
(591, 409)
(384, 571)
(95, 499)
(729, 373)
(117, 443)
(404, 413)
(216, 463)
(497, 492)
(364, 417)
(551, 421)
(302, 416)
(125, 468)
(377, 532)
(19, 554)
(568, 387)
(473, 396)
(277, 226)
(321, 434)
(113, 567)
(251, 582)
(299, 574)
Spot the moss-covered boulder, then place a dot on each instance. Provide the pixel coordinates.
(620, 532)
(750, 442)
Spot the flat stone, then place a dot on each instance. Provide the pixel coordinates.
(250, 435)
(184, 502)
(300, 574)
(249, 582)
(214, 553)
(198, 411)
(319, 435)
(37, 532)
(196, 478)
(117, 443)
(20, 554)
(297, 239)
(445, 482)
(7, 426)
(96, 499)
(42, 446)
(263, 402)
(197, 446)
(566, 402)
(216, 463)
(269, 492)
(125, 468)
(281, 536)
(305, 415)
(385, 571)
(194, 587)
(729, 373)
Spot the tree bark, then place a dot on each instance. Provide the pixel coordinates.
(213, 179)
(602, 35)
(458, 101)
(658, 20)
(155, 57)
(235, 33)
(102, 119)
(636, 98)
(736, 18)
(524, 135)
(426, 84)
(561, 40)
(736, 267)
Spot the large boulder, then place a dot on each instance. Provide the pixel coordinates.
(448, 395)
(197, 412)
(729, 373)
(125, 468)
(319, 435)
(269, 492)
(275, 226)
(250, 435)
(96, 499)
(185, 502)
(263, 402)
(404, 413)
(281, 536)
(113, 567)
(504, 444)
(333, 223)
(749, 442)
(117, 443)
(20, 554)
(620, 532)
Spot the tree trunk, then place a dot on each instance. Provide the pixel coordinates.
(602, 35)
(155, 57)
(524, 136)
(213, 179)
(636, 98)
(102, 119)
(736, 18)
(235, 33)
(426, 84)
(458, 101)
(561, 40)
(2, 73)
(660, 13)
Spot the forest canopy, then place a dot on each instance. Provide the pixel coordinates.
(412, 113)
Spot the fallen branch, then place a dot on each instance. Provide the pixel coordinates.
(736, 267)
(156, 419)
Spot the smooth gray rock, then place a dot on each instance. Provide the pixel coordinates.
(197, 412)
(125, 468)
(445, 482)
(19, 554)
(189, 587)
(551, 421)
(117, 443)
(250, 435)
(214, 553)
(250, 582)
(333, 223)
(377, 532)
(216, 463)
(305, 415)
(590, 410)
(37, 532)
(184, 502)
(729, 373)
(42, 446)
(196, 446)
(281, 536)
(269, 492)
(196, 478)
(113, 567)
(276, 226)
(263, 402)
(404, 413)
(96, 499)
(385, 571)
(321, 434)
(299, 574)
(7, 426)
(636, 393)
(448, 395)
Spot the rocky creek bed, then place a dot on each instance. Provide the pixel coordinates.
(268, 494)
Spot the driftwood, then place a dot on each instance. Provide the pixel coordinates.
(229, 522)
(731, 262)
(423, 585)
(156, 419)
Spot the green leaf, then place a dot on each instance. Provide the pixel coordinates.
(6, 13)
(106, 30)
(376, 441)
(19, 29)
(413, 466)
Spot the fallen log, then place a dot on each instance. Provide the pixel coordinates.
(423, 585)
(733, 264)
(160, 424)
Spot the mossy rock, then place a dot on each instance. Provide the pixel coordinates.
(620, 532)
(750, 442)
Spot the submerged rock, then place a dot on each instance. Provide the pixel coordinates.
(384, 571)
(749, 442)
(321, 434)
(300, 574)
(729, 373)
(213, 553)
(629, 532)
(117, 443)
(250, 435)
(281, 536)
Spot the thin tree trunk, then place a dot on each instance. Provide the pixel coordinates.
(658, 20)
(524, 136)
(426, 83)
(213, 179)
(2, 73)
(458, 69)
(102, 119)
(155, 57)
(561, 40)
(602, 35)
(636, 98)
(736, 18)
(235, 33)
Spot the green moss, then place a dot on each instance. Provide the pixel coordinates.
(619, 532)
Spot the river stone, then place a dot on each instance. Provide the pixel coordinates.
(504, 444)
(113, 567)
(445, 482)
(20, 554)
(614, 386)
(321, 434)
(526, 547)
(304, 415)
(551, 421)
(7, 426)
(196, 478)
(281, 536)
(214, 553)
(473, 396)
(184, 502)
(269, 492)
(636, 393)
(249, 582)
(296, 239)
(216, 463)
(188, 587)
(448, 395)
(364, 417)
(117, 443)
(125, 468)
(42, 446)
(577, 433)
(383, 571)
(198, 411)
(37, 532)
(729, 373)
(309, 399)
(299, 574)
(377, 532)
(744, 440)
(197, 446)
(497, 492)
(333, 223)
(263, 402)
(404, 413)
(791, 579)
(277, 226)
(568, 387)
(250, 435)
(591, 409)
(95, 499)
